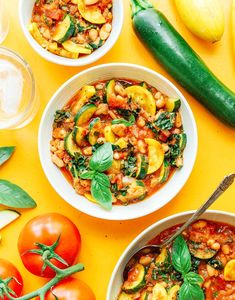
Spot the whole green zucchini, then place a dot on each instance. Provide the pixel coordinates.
(181, 61)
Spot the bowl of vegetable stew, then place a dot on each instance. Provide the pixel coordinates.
(74, 32)
(117, 157)
(198, 265)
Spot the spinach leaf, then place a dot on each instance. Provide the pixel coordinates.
(87, 175)
(181, 258)
(5, 153)
(129, 167)
(102, 159)
(79, 165)
(61, 115)
(101, 193)
(190, 291)
(13, 196)
(165, 121)
(96, 46)
(125, 122)
(193, 278)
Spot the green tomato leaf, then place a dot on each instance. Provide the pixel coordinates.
(181, 258)
(87, 175)
(193, 278)
(5, 153)
(102, 159)
(101, 194)
(191, 292)
(102, 179)
(13, 196)
(125, 122)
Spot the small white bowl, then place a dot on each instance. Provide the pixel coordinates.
(65, 189)
(25, 15)
(148, 234)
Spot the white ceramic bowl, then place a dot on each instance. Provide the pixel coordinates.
(148, 234)
(56, 178)
(25, 14)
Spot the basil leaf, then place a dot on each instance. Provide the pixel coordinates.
(101, 194)
(125, 122)
(87, 175)
(102, 159)
(193, 278)
(191, 292)
(181, 258)
(5, 153)
(13, 196)
(102, 179)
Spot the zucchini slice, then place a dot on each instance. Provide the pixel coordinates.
(173, 292)
(124, 296)
(162, 257)
(85, 114)
(70, 145)
(64, 30)
(90, 13)
(144, 295)
(229, 274)
(201, 250)
(173, 104)
(78, 135)
(122, 143)
(164, 172)
(155, 155)
(35, 32)
(136, 279)
(182, 141)
(75, 48)
(109, 135)
(159, 292)
(142, 166)
(84, 95)
(7, 216)
(142, 97)
(136, 190)
(110, 89)
(94, 127)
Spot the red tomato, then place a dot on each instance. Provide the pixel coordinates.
(46, 229)
(8, 270)
(70, 289)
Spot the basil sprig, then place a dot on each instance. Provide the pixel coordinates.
(125, 122)
(100, 161)
(181, 261)
(5, 153)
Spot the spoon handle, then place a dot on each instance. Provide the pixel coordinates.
(227, 181)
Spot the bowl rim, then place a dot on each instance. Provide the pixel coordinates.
(150, 228)
(63, 61)
(149, 209)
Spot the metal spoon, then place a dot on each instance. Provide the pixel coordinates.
(226, 182)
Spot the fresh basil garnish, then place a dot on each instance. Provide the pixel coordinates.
(125, 122)
(190, 291)
(181, 258)
(5, 153)
(101, 193)
(87, 175)
(102, 159)
(13, 196)
(193, 278)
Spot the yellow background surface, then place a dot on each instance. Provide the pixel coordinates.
(104, 241)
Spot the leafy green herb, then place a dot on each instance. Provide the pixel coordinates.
(181, 258)
(125, 122)
(101, 192)
(165, 121)
(96, 46)
(88, 175)
(61, 115)
(129, 167)
(216, 264)
(79, 165)
(102, 159)
(193, 278)
(190, 291)
(5, 153)
(13, 196)
(81, 28)
(153, 128)
(94, 99)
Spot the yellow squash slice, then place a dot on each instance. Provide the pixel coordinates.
(109, 135)
(75, 48)
(90, 13)
(155, 155)
(159, 292)
(84, 95)
(229, 271)
(172, 293)
(142, 97)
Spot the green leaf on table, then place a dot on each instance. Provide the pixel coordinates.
(181, 258)
(5, 153)
(13, 196)
(102, 159)
(190, 291)
(101, 192)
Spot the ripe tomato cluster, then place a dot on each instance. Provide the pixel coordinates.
(52, 237)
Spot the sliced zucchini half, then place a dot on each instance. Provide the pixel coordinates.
(75, 48)
(144, 295)
(142, 97)
(64, 30)
(7, 216)
(155, 155)
(136, 279)
(90, 13)
(110, 89)
(78, 135)
(142, 166)
(85, 114)
(94, 129)
(70, 145)
(84, 95)
(182, 141)
(162, 257)
(173, 292)
(124, 296)
(201, 250)
(159, 292)
(173, 104)
(164, 172)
